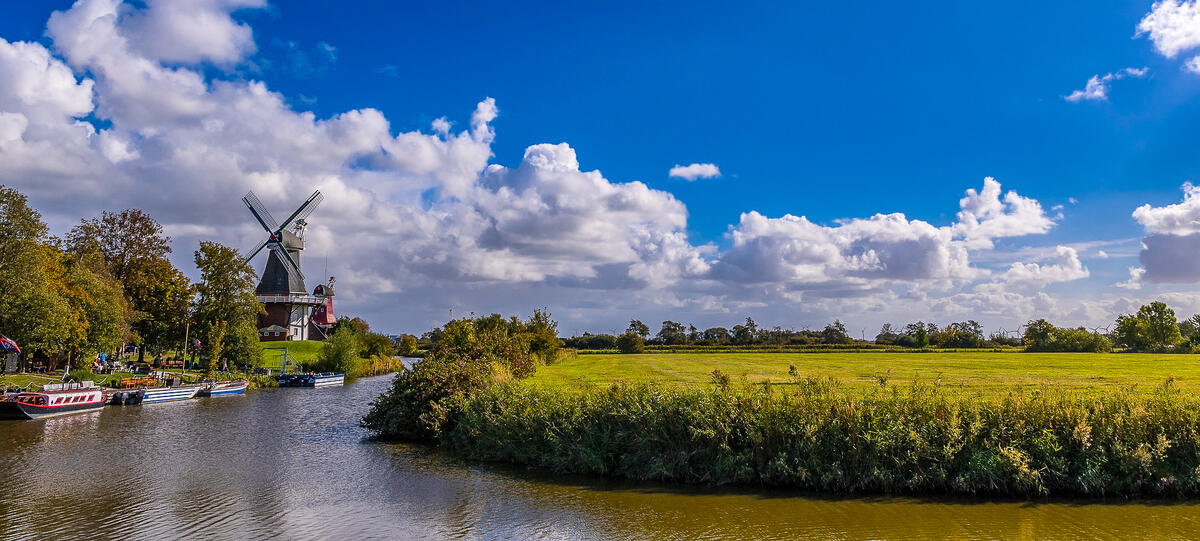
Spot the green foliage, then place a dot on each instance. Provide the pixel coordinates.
(340, 352)
(630, 343)
(406, 345)
(835, 333)
(226, 293)
(638, 328)
(1152, 328)
(1041, 336)
(215, 345)
(817, 435)
(591, 341)
(672, 333)
(470, 355)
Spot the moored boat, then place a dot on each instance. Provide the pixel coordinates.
(325, 379)
(223, 388)
(166, 394)
(50, 403)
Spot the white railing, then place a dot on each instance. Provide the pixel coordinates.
(293, 299)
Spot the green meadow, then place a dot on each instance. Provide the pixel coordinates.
(985, 372)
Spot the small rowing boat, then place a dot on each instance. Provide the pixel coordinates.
(75, 398)
(166, 394)
(325, 379)
(223, 388)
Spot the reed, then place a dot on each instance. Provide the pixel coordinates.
(818, 434)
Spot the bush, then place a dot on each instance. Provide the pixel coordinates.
(630, 343)
(406, 345)
(1041, 336)
(339, 353)
(424, 402)
(817, 435)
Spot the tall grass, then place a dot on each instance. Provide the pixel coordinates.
(817, 434)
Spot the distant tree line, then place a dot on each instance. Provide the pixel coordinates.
(1153, 328)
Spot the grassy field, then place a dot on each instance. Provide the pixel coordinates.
(302, 351)
(971, 371)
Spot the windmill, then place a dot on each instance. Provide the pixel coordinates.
(281, 288)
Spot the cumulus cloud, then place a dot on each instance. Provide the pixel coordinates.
(984, 216)
(1173, 26)
(1065, 267)
(1171, 248)
(695, 171)
(112, 118)
(1098, 85)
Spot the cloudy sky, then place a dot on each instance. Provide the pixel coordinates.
(792, 163)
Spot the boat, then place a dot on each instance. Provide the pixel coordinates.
(58, 400)
(324, 379)
(166, 394)
(223, 388)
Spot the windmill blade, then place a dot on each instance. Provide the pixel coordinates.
(316, 201)
(260, 212)
(291, 266)
(257, 249)
(312, 201)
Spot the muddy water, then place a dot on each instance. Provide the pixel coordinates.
(292, 464)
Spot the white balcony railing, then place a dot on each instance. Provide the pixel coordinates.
(291, 299)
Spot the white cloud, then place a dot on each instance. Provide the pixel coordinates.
(1098, 86)
(1065, 267)
(1173, 26)
(695, 171)
(1176, 219)
(1101, 254)
(428, 214)
(984, 216)
(1171, 249)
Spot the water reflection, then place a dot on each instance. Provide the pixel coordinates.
(291, 464)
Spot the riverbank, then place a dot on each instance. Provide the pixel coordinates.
(819, 435)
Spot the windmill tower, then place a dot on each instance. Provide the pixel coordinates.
(281, 288)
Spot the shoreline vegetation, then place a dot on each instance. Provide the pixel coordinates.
(889, 421)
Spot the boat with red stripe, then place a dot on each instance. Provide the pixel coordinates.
(56, 400)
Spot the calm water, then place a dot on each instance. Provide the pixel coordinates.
(292, 464)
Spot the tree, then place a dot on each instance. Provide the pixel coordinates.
(101, 310)
(215, 338)
(672, 333)
(357, 325)
(1188, 327)
(226, 293)
(1152, 328)
(638, 328)
(886, 335)
(406, 345)
(33, 307)
(135, 249)
(693, 334)
(339, 353)
(835, 333)
(717, 335)
(630, 342)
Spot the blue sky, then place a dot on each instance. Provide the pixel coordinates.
(831, 112)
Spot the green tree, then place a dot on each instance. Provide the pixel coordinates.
(215, 338)
(226, 293)
(101, 310)
(672, 333)
(1153, 327)
(835, 333)
(406, 345)
(135, 251)
(33, 306)
(630, 342)
(340, 352)
(638, 328)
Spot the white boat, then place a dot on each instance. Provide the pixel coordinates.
(326, 379)
(165, 394)
(223, 388)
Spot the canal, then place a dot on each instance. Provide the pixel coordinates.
(293, 464)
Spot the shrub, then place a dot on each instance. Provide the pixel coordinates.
(469, 356)
(817, 435)
(339, 353)
(630, 343)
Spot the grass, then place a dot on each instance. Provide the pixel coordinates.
(298, 351)
(979, 371)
